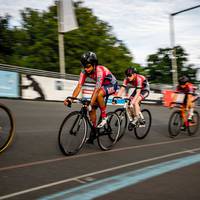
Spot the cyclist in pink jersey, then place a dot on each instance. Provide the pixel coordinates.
(106, 84)
(141, 91)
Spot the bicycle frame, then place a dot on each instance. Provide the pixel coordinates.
(84, 113)
(183, 111)
(126, 106)
(106, 136)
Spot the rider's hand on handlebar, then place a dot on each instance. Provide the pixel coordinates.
(68, 102)
(114, 100)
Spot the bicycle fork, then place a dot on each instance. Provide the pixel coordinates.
(78, 120)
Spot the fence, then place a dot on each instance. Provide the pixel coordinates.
(27, 83)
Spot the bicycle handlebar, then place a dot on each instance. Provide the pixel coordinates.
(83, 101)
(115, 99)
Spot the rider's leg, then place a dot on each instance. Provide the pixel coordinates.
(184, 116)
(102, 106)
(93, 117)
(136, 102)
(101, 102)
(137, 109)
(137, 105)
(190, 107)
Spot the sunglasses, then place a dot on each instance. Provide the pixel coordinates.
(87, 66)
(129, 75)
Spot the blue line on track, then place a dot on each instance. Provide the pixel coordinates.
(113, 183)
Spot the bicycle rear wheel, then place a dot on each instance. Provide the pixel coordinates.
(108, 135)
(123, 121)
(194, 124)
(142, 131)
(175, 123)
(72, 133)
(7, 127)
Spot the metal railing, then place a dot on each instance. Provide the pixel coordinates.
(37, 72)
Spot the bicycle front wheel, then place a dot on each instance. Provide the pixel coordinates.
(175, 123)
(108, 135)
(7, 127)
(194, 124)
(123, 121)
(72, 133)
(142, 131)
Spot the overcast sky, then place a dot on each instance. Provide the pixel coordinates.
(143, 25)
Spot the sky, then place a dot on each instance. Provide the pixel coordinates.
(143, 25)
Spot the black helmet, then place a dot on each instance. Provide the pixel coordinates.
(130, 71)
(183, 79)
(89, 58)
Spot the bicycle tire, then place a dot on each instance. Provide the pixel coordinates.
(7, 136)
(194, 125)
(123, 121)
(175, 120)
(107, 136)
(69, 135)
(140, 132)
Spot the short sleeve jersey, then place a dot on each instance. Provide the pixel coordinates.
(102, 76)
(140, 82)
(188, 89)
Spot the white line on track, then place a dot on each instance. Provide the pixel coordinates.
(23, 165)
(94, 173)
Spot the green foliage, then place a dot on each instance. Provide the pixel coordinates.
(35, 43)
(6, 49)
(159, 65)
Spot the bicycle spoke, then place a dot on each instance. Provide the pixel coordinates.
(6, 127)
(72, 133)
(175, 123)
(194, 124)
(123, 121)
(108, 135)
(142, 127)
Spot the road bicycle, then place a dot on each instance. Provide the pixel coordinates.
(143, 125)
(7, 127)
(73, 132)
(178, 121)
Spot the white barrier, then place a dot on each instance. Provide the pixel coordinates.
(45, 88)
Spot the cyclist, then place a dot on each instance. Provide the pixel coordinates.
(186, 87)
(106, 84)
(141, 91)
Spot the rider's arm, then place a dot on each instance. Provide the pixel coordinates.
(121, 91)
(80, 83)
(123, 87)
(77, 90)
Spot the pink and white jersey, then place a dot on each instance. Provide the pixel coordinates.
(139, 83)
(101, 75)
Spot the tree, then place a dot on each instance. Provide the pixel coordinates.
(159, 65)
(5, 39)
(36, 42)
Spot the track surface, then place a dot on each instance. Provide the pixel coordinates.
(33, 166)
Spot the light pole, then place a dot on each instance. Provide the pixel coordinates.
(172, 43)
(66, 22)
